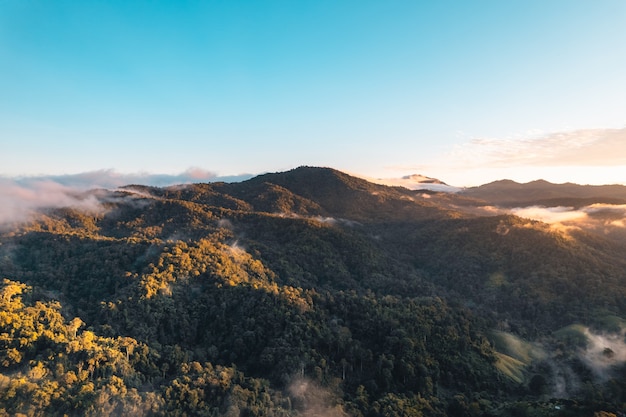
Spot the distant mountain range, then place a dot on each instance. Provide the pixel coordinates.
(512, 194)
(314, 292)
(508, 193)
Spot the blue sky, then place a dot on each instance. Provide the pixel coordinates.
(466, 91)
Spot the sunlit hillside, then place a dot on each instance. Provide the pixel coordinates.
(309, 293)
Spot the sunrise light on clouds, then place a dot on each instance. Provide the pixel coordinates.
(592, 156)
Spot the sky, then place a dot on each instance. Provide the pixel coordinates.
(465, 91)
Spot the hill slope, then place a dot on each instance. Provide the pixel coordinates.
(228, 299)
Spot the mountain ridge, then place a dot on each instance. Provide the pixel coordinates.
(219, 298)
(510, 193)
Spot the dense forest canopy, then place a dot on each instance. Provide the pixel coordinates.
(310, 293)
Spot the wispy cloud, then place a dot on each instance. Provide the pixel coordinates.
(591, 156)
(24, 197)
(550, 214)
(591, 147)
(311, 400)
(108, 178)
(606, 219)
(21, 201)
(604, 351)
(414, 182)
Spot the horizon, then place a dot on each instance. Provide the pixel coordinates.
(111, 179)
(466, 93)
(24, 197)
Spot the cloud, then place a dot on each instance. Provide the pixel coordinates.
(112, 179)
(20, 202)
(23, 197)
(311, 400)
(604, 351)
(413, 182)
(607, 211)
(550, 214)
(595, 214)
(590, 147)
(591, 156)
(606, 219)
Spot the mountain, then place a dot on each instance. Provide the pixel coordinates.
(423, 179)
(307, 292)
(416, 182)
(512, 194)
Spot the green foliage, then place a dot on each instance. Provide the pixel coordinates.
(227, 299)
(49, 368)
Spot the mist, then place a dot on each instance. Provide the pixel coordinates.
(603, 351)
(312, 400)
(21, 201)
(108, 178)
(606, 219)
(22, 198)
(550, 214)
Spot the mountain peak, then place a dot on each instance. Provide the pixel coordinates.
(308, 179)
(422, 179)
(416, 182)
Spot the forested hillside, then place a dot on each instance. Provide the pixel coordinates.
(307, 293)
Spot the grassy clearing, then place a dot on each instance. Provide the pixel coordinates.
(510, 367)
(514, 355)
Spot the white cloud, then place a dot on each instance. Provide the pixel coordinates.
(591, 156)
(20, 202)
(412, 182)
(607, 209)
(604, 218)
(550, 214)
(108, 178)
(23, 197)
(604, 351)
(591, 147)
